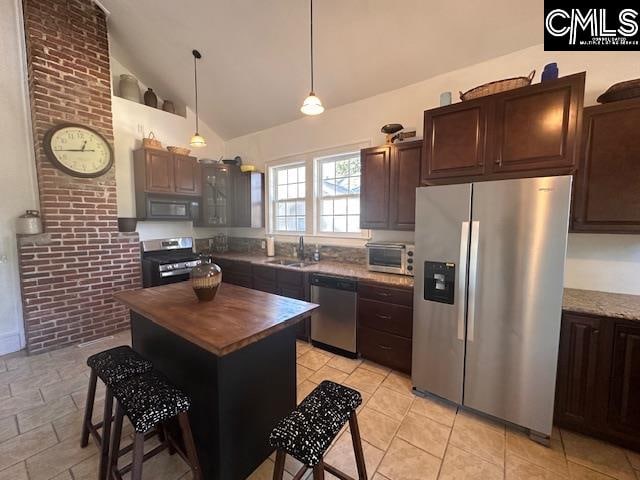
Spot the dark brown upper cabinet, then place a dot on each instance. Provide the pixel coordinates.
(529, 131)
(157, 171)
(607, 185)
(248, 201)
(390, 176)
(216, 195)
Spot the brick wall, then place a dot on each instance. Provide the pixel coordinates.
(69, 274)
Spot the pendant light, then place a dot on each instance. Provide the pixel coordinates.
(312, 104)
(197, 140)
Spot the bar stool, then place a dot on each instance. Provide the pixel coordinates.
(111, 366)
(307, 432)
(149, 401)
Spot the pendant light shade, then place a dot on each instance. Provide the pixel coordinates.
(197, 140)
(312, 104)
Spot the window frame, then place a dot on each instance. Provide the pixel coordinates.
(273, 200)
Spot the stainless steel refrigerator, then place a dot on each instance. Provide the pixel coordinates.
(488, 295)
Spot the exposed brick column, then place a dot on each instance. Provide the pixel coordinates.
(69, 274)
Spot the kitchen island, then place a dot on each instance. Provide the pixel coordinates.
(235, 356)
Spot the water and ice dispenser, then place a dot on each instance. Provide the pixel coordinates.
(439, 282)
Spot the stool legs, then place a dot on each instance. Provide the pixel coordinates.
(278, 470)
(318, 472)
(189, 445)
(115, 441)
(106, 434)
(88, 409)
(138, 456)
(357, 446)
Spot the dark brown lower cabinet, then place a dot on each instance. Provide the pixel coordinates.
(598, 379)
(385, 325)
(236, 272)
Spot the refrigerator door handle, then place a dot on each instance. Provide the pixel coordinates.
(473, 269)
(462, 277)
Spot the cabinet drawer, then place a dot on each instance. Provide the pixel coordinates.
(386, 349)
(265, 285)
(239, 279)
(290, 278)
(385, 294)
(386, 317)
(233, 266)
(264, 273)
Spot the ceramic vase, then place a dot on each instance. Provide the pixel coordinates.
(150, 98)
(550, 72)
(168, 106)
(205, 280)
(129, 88)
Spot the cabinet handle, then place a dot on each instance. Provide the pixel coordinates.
(383, 317)
(384, 294)
(384, 347)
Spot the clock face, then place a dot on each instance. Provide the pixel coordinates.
(78, 150)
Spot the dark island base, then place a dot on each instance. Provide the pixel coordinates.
(236, 399)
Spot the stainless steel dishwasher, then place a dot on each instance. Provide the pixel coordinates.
(333, 325)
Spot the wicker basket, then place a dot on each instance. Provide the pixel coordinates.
(497, 87)
(179, 150)
(151, 142)
(621, 91)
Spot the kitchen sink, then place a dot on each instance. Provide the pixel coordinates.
(291, 263)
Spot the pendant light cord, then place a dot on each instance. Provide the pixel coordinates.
(311, 43)
(195, 76)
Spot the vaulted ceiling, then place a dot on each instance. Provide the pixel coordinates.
(254, 72)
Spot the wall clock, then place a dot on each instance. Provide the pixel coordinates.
(78, 150)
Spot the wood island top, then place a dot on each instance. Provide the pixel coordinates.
(235, 318)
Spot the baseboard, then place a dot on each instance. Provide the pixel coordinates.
(10, 342)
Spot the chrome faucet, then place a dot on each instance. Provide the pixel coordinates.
(301, 248)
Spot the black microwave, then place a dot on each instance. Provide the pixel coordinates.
(172, 208)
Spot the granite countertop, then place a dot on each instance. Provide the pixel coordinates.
(616, 305)
(236, 318)
(327, 266)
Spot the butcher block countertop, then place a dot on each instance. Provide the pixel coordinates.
(604, 304)
(235, 318)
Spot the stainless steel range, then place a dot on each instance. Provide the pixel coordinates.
(168, 260)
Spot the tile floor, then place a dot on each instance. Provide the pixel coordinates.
(405, 437)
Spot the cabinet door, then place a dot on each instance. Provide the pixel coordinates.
(454, 141)
(607, 197)
(159, 171)
(384, 348)
(248, 203)
(216, 191)
(264, 279)
(405, 178)
(374, 190)
(535, 128)
(624, 399)
(186, 172)
(578, 359)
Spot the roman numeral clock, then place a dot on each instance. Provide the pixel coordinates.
(78, 150)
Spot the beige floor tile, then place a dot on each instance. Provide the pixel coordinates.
(58, 458)
(3, 366)
(435, 409)
(314, 359)
(597, 455)
(473, 434)
(634, 459)
(375, 368)
(390, 402)
(403, 461)
(265, 472)
(376, 428)
(302, 347)
(16, 472)
(20, 361)
(364, 380)
(80, 397)
(26, 445)
(430, 436)
(328, 373)
(21, 373)
(347, 365)
(399, 382)
(379, 476)
(578, 472)
(66, 475)
(70, 425)
(8, 428)
(550, 458)
(37, 416)
(65, 387)
(342, 457)
(461, 465)
(304, 389)
(469, 416)
(37, 381)
(163, 466)
(20, 402)
(88, 468)
(519, 469)
(4, 392)
(77, 369)
(302, 373)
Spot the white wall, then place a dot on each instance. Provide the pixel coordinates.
(17, 169)
(589, 256)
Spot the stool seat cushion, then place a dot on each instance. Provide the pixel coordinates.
(149, 399)
(118, 364)
(307, 432)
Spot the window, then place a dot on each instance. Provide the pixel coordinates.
(339, 193)
(289, 196)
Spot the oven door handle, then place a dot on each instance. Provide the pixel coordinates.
(173, 273)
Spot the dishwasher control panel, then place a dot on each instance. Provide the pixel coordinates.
(337, 283)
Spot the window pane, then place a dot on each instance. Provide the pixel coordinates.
(342, 186)
(282, 192)
(301, 190)
(326, 224)
(300, 224)
(292, 175)
(354, 166)
(327, 207)
(291, 223)
(301, 174)
(328, 188)
(291, 209)
(280, 209)
(282, 176)
(340, 224)
(292, 191)
(354, 185)
(280, 223)
(300, 207)
(353, 205)
(328, 170)
(353, 223)
(340, 206)
(342, 168)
